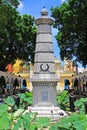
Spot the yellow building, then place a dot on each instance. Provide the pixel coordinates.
(21, 68)
(64, 72)
(25, 70)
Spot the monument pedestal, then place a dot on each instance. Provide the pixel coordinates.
(44, 91)
(54, 113)
(44, 97)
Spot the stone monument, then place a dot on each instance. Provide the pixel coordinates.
(44, 80)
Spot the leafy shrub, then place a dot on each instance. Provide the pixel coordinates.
(19, 120)
(4, 117)
(42, 122)
(79, 105)
(28, 94)
(9, 101)
(74, 122)
(25, 99)
(63, 100)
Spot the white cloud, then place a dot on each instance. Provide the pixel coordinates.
(20, 5)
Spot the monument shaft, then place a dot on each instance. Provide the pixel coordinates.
(44, 80)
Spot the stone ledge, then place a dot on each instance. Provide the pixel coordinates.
(52, 112)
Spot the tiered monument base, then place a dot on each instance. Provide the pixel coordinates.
(54, 113)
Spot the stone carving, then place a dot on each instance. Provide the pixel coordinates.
(44, 67)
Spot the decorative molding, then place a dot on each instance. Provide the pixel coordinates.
(44, 83)
(44, 21)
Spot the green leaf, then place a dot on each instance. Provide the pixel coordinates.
(21, 95)
(10, 101)
(54, 127)
(32, 127)
(42, 122)
(65, 123)
(77, 103)
(3, 109)
(28, 94)
(4, 121)
(78, 124)
(16, 126)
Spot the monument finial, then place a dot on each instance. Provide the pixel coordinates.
(44, 12)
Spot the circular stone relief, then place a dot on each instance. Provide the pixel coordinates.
(44, 67)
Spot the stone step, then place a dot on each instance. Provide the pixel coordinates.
(51, 112)
(45, 108)
(52, 117)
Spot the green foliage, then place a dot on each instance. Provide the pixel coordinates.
(9, 101)
(20, 120)
(71, 22)
(15, 120)
(28, 94)
(17, 36)
(14, 3)
(42, 122)
(73, 122)
(24, 122)
(25, 101)
(79, 105)
(63, 100)
(4, 117)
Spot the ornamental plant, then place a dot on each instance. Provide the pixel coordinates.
(18, 119)
(25, 99)
(79, 105)
(15, 120)
(74, 122)
(63, 100)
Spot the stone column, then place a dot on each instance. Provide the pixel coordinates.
(44, 80)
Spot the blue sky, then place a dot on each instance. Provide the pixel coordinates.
(34, 8)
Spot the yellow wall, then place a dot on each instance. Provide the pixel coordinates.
(64, 76)
(59, 71)
(61, 75)
(24, 75)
